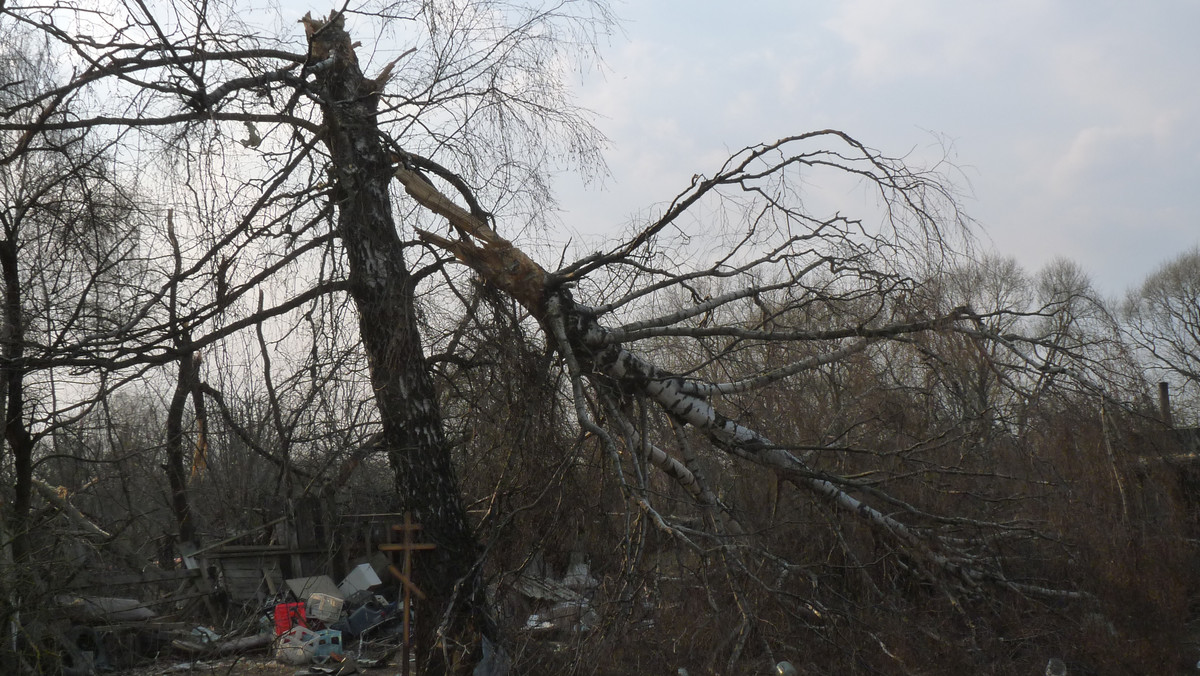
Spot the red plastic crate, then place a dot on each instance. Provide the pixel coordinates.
(288, 615)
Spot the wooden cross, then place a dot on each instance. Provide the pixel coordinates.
(408, 528)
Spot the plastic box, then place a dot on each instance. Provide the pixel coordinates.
(325, 643)
(295, 646)
(288, 615)
(324, 607)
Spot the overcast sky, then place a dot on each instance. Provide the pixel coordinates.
(1076, 124)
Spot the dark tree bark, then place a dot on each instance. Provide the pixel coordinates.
(20, 441)
(177, 474)
(382, 288)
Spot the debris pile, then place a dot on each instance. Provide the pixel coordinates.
(334, 628)
(562, 606)
(316, 622)
(241, 596)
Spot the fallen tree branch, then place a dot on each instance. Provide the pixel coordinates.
(57, 496)
(590, 349)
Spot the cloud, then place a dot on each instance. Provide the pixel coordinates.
(1080, 123)
(1114, 154)
(906, 39)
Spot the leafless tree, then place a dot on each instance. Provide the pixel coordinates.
(746, 345)
(69, 257)
(1163, 317)
(476, 91)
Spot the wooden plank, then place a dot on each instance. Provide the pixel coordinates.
(145, 577)
(253, 575)
(266, 576)
(424, 546)
(408, 584)
(236, 537)
(263, 553)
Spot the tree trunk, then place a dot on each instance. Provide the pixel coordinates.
(177, 477)
(20, 441)
(382, 289)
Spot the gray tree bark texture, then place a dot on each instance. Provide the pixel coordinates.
(448, 623)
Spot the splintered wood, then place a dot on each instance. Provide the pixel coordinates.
(480, 247)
